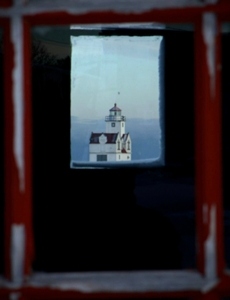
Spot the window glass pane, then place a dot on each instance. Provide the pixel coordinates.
(1, 154)
(111, 219)
(114, 94)
(226, 131)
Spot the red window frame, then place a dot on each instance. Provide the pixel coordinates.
(5, 3)
(18, 201)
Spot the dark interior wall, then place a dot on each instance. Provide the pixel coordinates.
(179, 99)
(123, 219)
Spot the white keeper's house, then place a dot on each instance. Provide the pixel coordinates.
(113, 144)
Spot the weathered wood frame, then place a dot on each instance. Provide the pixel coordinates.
(210, 280)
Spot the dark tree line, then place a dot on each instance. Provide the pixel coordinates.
(42, 57)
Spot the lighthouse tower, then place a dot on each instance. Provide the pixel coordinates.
(113, 144)
(115, 122)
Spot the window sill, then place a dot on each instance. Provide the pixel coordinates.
(117, 282)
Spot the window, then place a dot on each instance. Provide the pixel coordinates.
(115, 89)
(51, 79)
(174, 186)
(102, 157)
(23, 183)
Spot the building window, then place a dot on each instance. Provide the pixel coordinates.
(113, 124)
(101, 157)
(118, 145)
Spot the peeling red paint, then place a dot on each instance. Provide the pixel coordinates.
(18, 204)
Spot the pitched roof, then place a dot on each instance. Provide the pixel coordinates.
(111, 137)
(115, 108)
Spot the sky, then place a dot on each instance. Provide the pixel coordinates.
(115, 69)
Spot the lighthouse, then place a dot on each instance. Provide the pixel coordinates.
(114, 144)
(115, 122)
